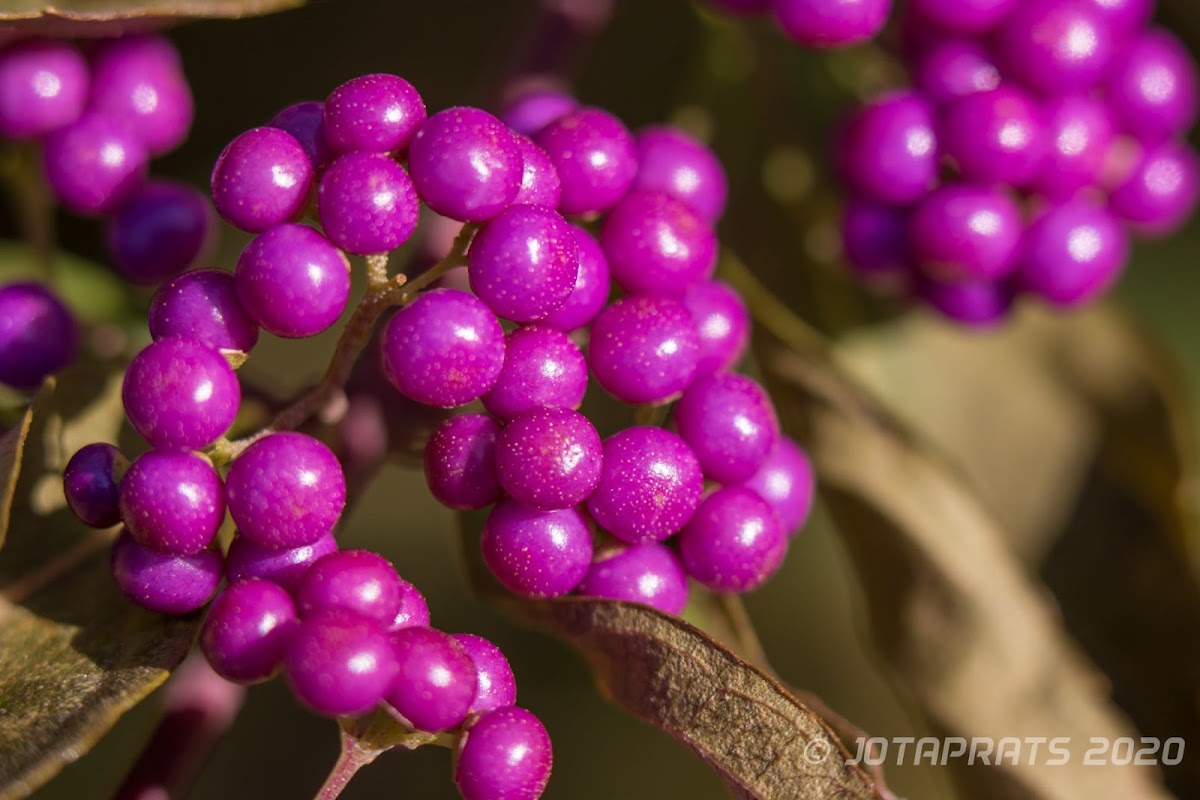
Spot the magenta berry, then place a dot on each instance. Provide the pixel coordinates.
(995, 136)
(203, 306)
(1055, 46)
(43, 87)
(536, 553)
(377, 113)
(671, 161)
(657, 245)
(505, 755)
(644, 573)
(414, 611)
(340, 663)
(1153, 89)
(164, 582)
(94, 163)
(549, 458)
(966, 232)
(729, 422)
(533, 110)
(1160, 191)
(285, 566)
(356, 580)
(1073, 253)
(591, 290)
(966, 16)
(644, 349)
(734, 542)
(262, 178)
(540, 185)
(785, 480)
(91, 484)
(595, 157)
(436, 683)
(366, 203)
(723, 323)
(305, 121)
(955, 68)
(831, 23)
(38, 335)
(140, 79)
(496, 685)
(889, 150)
(979, 304)
(172, 501)
(248, 630)
(1080, 136)
(542, 367)
(460, 462)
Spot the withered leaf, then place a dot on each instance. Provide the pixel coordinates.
(12, 447)
(114, 10)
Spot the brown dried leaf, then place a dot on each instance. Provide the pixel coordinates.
(12, 446)
(88, 18)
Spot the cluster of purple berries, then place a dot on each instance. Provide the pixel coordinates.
(818, 23)
(1037, 135)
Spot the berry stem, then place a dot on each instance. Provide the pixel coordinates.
(354, 756)
(652, 415)
(377, 269)
(457, 257)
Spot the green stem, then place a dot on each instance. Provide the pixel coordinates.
(456, 258)
(352, 758)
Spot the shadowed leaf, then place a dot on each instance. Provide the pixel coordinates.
(12, 447)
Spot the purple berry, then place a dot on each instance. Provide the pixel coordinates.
(966, 16)
(965, 232)
(549, 458)
(163, 582)
(414, 611)
(140, 79)
(285, 490)
(644, 573)
(466, 164)
(540, 185)
(1073, 253)
(91, 483)
(729, 422)
(671, 161)
(955, 68)
(172, 502)
(505, 755)
(536, 553)
(534, 110)
(496, 687)
(38, 335)
(1080, 134)
(975, 304)
(644, 349)
(734, 542)
(889, 151)
(180, 394)
(262, 178)
(460, 462)
(1123, 16)
(340, 663)
(203, 306)
(657, 245)
(356, 580)
(592, 284)
(1160, 191)
(284, 566)
(305, 121)
(722, 321)
(160, 230)
(43, 87)
(650, 485)
(785, 480)
(436, 682)
(1055, 46)
(831, 23)
(524, 262)
(94, 163)
(366, 203)
(248, 630)
(1153, 89)
(293, 281)
(875, 242)
(377, 113)
(542, 367)
(444, 349)
(595, 157)
(997, 136)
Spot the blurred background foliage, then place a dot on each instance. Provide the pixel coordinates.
(769, 109)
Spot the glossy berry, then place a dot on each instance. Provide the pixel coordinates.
(889, 150)
(1054, 46)
(650, 485)
(496, 686)
(91, 484)
(172, 501)
(159, 230)
(164, 582)
(1073, 253)
(595, 157)
(356, 580)
(997, 136)
(1160, 191)
(180, 395)
(140, 79)
(974, 304)
(672, 161)
(657, 245)
(954, 68)
(785, 480)
(340, 663)
(644, 349)
(444, 349)
(203, 306)
(366, 203)
(43, 87)
(533, 110)
(1123, 16)
(460, 462)
(644, 573)
(414, 611)
(967, 16)
(248, 630)
(592, 285)
(1153, 89)
(38, 335)
(285, 490)
(734, 542)
(965, 232)
(293, 281)
(549, 458)
(305, 121)
(523, 264)
(466, 164)
(542, 367)
(722, 321)
(94, 163)
(536, 553)
(875, 242)
(540, 185)
(262, 178)
(377, 113)
(1080, 136)
(831, 23)
(284, 566)
(505, 755)
(729, 422)
(437, 680)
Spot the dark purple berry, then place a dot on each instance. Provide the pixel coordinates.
(284, 566)
(160, 230)
(38, 335)
(248, 630)
(91, 483)
(460, 462)
(203, 306)
(305, 121)
(164, 582)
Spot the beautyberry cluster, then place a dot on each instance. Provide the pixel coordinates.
(817, 23)
(1037, 135)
